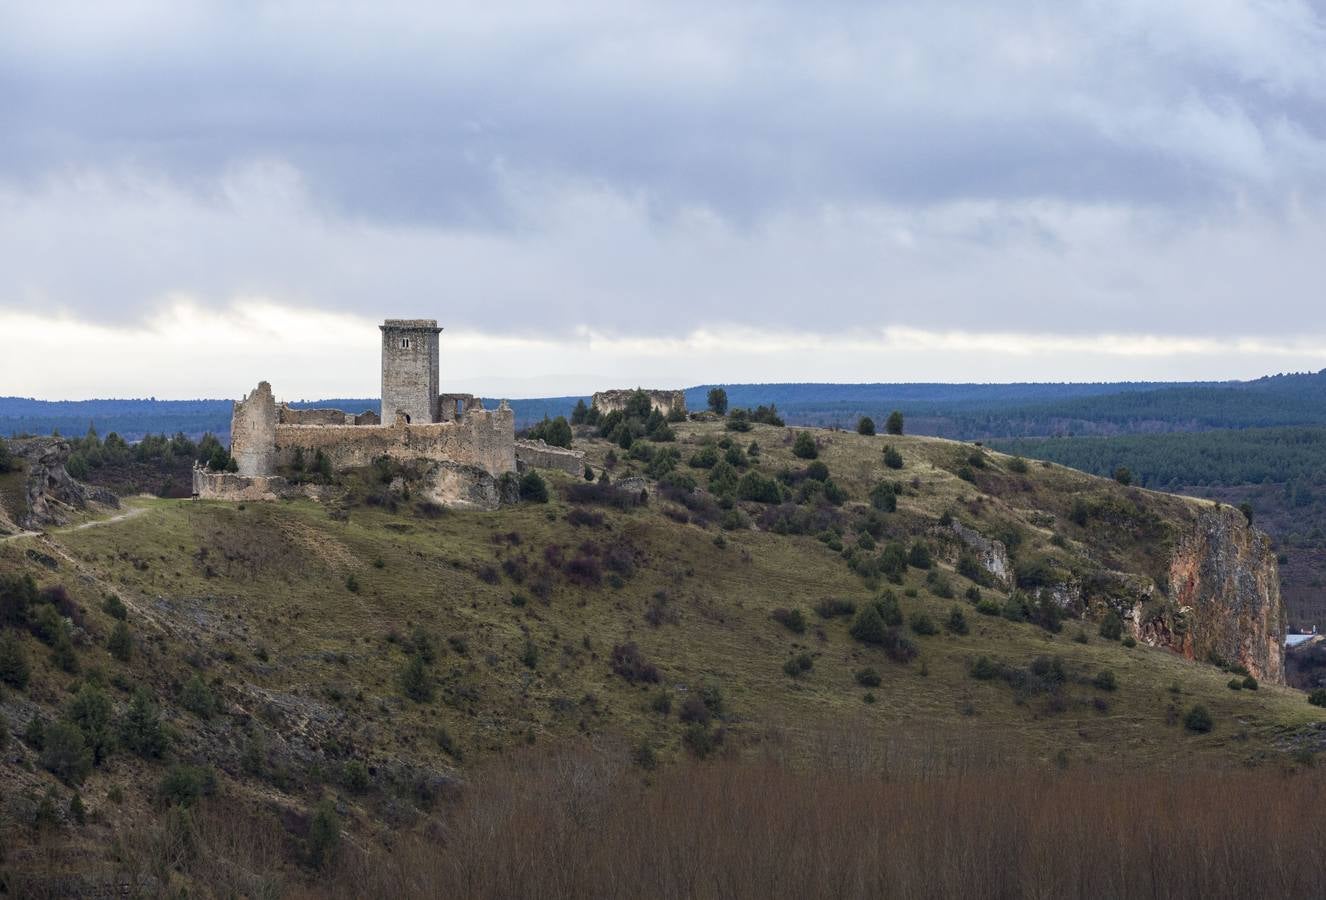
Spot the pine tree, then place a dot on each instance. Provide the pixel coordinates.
(121, 642)
(140, 729)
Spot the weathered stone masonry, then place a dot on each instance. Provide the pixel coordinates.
(483, 438)
(253, 432)
(664, 401)
(410, 369)
(468, 447)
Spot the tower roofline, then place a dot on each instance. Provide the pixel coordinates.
(410, 325)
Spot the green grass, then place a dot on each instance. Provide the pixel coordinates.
(278, 573)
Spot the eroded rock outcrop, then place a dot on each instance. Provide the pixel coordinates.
(991, 554)
(50, 492)
(467, 487)
(1223, 601)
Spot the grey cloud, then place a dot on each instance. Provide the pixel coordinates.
(942, 163)
(746, 112)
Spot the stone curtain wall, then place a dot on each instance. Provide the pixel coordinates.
(410, 372)
(230, 486)
(484, 438)
(253, 432)
(287, 416)
(538, 455)
(664, 401)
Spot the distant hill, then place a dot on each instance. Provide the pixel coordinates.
(965, 411)
(976, 411)
(132, 419)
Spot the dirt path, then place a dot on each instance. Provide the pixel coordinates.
(21, 534)
(110, 520)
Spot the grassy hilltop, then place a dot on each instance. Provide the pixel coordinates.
(375, 649)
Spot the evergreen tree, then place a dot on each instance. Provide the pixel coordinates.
(65, 753)
(717, 400)
(121, 642)
(416, 683)
(868, 627)
(804, 446)
(324, 835)
(90, 711)
(894, 423)
(14, 669)
(197, 698)
(140, 729)
(533, 488)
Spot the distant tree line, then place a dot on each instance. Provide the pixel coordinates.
(91, 452)
(1295, 456)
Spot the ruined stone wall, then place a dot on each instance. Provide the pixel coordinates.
(233, 486)
(287, 416)
(253, 432)
(664, 401)
(484, 438)
(410, 369)
(453, 406)
(539, 455)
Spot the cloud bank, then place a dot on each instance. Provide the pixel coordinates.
(698, 192)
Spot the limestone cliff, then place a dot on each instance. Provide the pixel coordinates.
(1224, 597)
(49, 491)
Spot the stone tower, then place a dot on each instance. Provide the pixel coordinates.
(409, 369)
(253, 432)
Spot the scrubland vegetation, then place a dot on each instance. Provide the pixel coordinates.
(739, 661)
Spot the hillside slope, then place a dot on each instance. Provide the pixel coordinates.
(373, 648)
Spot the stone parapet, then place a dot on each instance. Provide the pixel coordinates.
(539, 455)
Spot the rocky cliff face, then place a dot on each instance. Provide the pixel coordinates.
(1224, 597)
(50, 492)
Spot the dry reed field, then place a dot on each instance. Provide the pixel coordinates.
(581, 823)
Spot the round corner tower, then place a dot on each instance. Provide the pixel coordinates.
(409, 369)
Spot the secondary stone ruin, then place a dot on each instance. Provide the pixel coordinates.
(663, 401)
(465, 449)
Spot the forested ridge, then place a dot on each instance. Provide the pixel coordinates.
(1223, 457)
(963, 411)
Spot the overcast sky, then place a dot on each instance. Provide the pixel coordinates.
(593, 195)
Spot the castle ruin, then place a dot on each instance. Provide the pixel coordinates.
(663, 401)
(465, 449)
